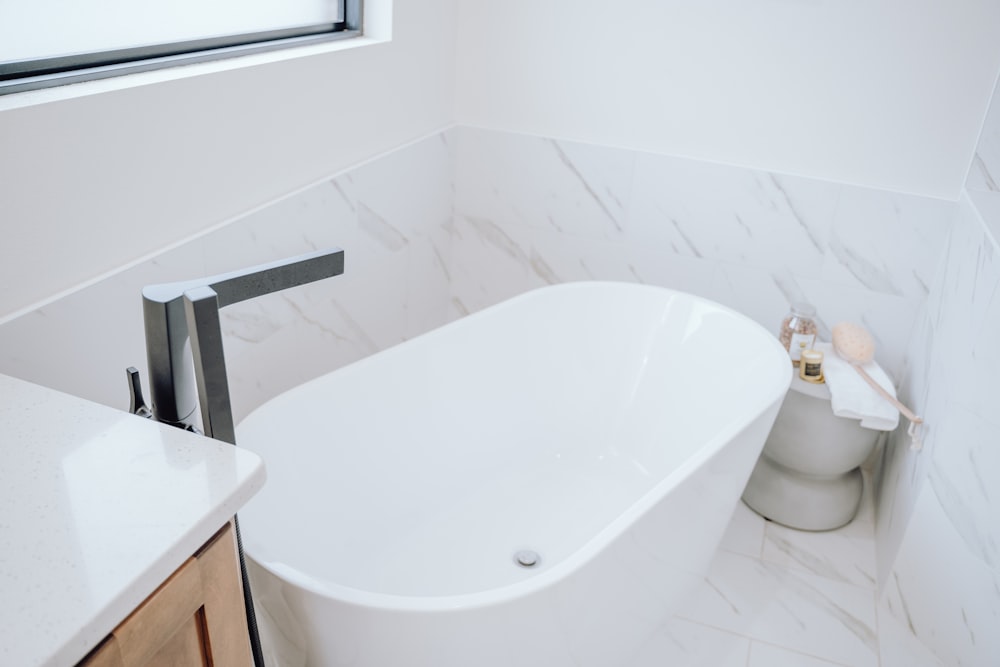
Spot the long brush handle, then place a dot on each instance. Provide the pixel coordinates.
(889, 397)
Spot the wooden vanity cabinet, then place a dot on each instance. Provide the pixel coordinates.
(196, 617)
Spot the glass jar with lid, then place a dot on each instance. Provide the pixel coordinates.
(798, 330)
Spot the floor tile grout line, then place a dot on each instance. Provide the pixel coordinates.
(857, 538)
(754, 640)
(878, 626)
(805, 569)
(833, 663)
(866, 529)
(867, 592)
(797, 571)
(713, 627)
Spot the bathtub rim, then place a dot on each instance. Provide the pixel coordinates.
(756, 407)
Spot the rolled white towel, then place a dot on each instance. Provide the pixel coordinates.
(850, 395)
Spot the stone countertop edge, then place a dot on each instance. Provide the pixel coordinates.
(97, 508)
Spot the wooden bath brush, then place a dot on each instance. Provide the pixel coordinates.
(855, 346)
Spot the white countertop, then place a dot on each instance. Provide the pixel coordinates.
(97, 508)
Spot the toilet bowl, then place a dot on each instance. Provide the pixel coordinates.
(809, 475)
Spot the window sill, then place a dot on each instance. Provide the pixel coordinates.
(82, 89)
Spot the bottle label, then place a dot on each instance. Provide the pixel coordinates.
(800, 342)
(811, 371)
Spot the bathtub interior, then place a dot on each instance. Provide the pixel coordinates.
(535, 424)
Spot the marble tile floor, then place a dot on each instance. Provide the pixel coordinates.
(777, 597)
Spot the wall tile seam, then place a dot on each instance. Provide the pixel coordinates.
(982, 130)
(972, 551)
(827, 246)
(984, 227)
(232, 220)
(894, 588)
(722, 163)
(921, 477)
(455, 168)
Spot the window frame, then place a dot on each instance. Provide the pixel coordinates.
(20, 76)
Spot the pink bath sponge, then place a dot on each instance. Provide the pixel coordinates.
(853, 343)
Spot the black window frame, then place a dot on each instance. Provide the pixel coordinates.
(19, 76)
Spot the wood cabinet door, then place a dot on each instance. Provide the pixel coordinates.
(195, 618)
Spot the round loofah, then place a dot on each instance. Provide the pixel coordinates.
(853, 343)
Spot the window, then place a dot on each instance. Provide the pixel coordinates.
(52, 42)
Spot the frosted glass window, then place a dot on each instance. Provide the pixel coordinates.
(33, 29)
(52, 37)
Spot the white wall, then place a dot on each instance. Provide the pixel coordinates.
(884, 94)
(879, 93)
(90, 181)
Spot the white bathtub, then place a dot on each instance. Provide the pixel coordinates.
(609, 427)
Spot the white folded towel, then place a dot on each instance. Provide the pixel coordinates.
(850, 395)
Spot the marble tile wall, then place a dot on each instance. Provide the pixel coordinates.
(465, 218)
(530, 211)
(984, 173)
(469, 217)
(391, 216)
(938, 537)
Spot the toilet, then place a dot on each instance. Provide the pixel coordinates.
(809, 474)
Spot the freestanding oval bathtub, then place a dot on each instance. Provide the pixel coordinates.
(608, 428)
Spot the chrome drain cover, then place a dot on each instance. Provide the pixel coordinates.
(527, 558)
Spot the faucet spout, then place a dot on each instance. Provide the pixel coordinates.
(184, 341)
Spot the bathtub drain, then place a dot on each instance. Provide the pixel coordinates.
(527, 558)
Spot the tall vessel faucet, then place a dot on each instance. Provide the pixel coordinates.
(187, 367)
